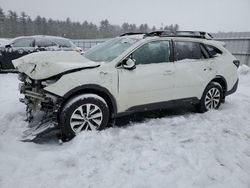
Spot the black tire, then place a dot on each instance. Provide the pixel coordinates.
(212, 98)
(75, 111)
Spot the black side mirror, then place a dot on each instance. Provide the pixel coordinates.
(8, 46)
(129, 64)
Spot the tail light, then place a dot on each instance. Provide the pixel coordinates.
(237, 63)
(79, 50)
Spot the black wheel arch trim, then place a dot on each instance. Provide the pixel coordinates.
(233, 89)
(224, 81)
(97, 89)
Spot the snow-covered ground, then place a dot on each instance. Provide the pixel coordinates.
(176, 150)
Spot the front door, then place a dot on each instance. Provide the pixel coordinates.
(152, 80)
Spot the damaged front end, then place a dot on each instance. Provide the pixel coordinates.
(37, 71)
(41, 106)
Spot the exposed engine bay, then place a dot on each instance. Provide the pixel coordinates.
(41, 107)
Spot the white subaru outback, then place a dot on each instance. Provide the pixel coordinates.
(130, 73)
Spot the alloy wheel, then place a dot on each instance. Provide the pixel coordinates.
(212, 99)
(86, 117)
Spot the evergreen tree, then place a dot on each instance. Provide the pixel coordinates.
(13, 25)
(2, 22)
(23, 24)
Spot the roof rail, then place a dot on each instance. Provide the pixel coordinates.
(157, 33)
(192, 34)
(131, 33)
(168, 33)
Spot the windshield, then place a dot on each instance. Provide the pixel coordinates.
(109, 50)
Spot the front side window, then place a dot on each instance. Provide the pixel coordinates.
(24, 42)
(188, 50)
(152, 52)
(109, 50)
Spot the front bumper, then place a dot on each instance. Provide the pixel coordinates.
(41, 109)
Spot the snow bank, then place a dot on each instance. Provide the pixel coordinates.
(178, 150)
(243, 69)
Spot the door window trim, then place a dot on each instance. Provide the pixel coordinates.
(171, 58)
(202, 46)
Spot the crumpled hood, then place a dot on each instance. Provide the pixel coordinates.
(42, 65)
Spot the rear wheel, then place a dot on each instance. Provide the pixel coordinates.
(88, 112)
(211, 98)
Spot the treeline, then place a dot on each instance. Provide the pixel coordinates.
(12, 25)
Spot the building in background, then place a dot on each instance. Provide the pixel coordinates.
(238, 43)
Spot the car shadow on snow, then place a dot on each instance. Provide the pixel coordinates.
(129, 120)
(143, 116)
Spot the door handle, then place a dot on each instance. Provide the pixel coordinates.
(208, 69)
(103, 73)
(168, 72)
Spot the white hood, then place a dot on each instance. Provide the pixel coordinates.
(42, 65)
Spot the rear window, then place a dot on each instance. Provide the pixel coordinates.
(213, 51)
(188, 50)
(63, 42)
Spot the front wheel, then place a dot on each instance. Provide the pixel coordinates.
(86, 112)
(211, 98)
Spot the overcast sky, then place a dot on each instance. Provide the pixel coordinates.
(207, 15)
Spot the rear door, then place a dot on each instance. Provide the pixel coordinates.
(194, 69)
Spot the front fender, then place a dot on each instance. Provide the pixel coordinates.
(69, 82)
(103, 80)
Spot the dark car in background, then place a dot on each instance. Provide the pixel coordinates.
(21, 46)
(3, 41)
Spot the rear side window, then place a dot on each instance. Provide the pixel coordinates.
(152, 52)
(213, 51)
(188, 50)
(23, 42)
(43, 42)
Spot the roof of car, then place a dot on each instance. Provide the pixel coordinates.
(41, 36)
